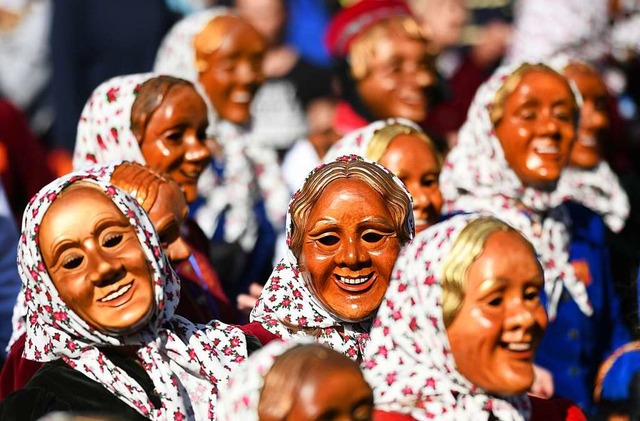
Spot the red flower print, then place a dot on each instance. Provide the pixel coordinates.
(52, 196)
(413, 324)
(114, 134)
(60, 315)
(370, 364)
(391, 378)
(101, 142)
(430, 280)
(71, 346)
(431, 383)
(112, 94)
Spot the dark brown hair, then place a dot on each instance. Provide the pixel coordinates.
(149, 97)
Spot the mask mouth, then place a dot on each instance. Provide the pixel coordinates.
(355, 283)
(588, 141)
(545, 146)
(413, 97)
(117, 293)
(191, 175)
(523, 350)
(241, 97)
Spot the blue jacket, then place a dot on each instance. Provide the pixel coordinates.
(574, 345)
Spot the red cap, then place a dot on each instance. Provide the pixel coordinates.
(353, 20)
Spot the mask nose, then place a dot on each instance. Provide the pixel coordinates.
(104, 270)
(353, 254)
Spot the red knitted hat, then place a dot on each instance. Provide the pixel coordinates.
(353, 20)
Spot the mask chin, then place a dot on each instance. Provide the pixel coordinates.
(134, 328)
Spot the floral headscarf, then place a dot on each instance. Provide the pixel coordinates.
(476, 177)
(250, 174)
(104, 130)
(598, 188)
(585, 37)
(408, 360)
(187, 363)
(358, 141)
(288, 308)
(240, 399)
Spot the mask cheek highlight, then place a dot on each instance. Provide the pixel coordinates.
(478, 316)
(523, 132)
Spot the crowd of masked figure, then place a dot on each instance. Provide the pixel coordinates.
(245, 234)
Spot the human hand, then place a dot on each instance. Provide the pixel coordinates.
(542, 384)
(246, 302)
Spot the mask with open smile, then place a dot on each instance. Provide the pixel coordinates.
(349, 248)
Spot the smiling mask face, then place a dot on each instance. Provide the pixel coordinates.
(98, 266)
(349, 248)
(537, 129)
(494, 336)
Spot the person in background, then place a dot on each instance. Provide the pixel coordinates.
(383, 63)
(509, 157)
(296, 380)
(455, 336)
(160, 121)
(242, 197)
(100, 300)
(277, 117)
(337, 267)
(465, 57)
(403, 148)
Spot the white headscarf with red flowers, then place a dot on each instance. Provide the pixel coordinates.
(408, 360)
(104, 130)
(187, 363)
(288, 308)
(251, 173)
(597, 188)
(240, 399)
(477, 178)
(358, 141)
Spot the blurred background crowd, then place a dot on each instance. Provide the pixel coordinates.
(55, 53)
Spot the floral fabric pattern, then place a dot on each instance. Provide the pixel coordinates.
(598, 189)
(104, 130)
(187, 363)
(289, 309)
(477, 178)
(408, 359)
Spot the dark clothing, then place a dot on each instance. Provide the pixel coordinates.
(58, 387)
(93, 41)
